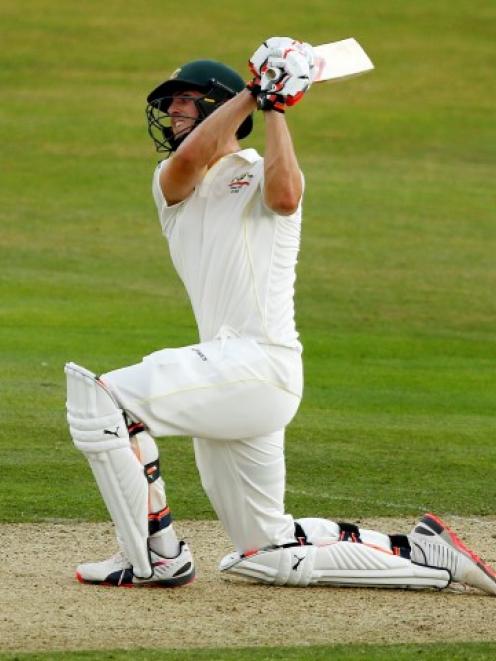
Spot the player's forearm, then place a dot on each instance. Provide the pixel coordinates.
(210, 140)
(283, 185)
(213, 138)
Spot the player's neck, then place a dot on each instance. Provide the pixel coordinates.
(229, 148)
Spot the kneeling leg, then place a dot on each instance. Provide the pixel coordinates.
(339, 554)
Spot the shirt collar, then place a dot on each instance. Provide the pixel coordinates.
(250, 155)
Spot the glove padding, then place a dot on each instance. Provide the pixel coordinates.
(278, 46)
(263, 52)
(289, 76)
(286, 69)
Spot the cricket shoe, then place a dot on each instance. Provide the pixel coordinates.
(118, 571)
(434, 544)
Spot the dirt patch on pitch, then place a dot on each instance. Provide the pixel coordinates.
(44, 608)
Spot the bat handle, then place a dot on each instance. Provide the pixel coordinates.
(270, 77)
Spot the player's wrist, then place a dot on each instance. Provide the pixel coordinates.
(271, 102)
(253, 87)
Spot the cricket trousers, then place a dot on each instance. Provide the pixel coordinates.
(234, 396)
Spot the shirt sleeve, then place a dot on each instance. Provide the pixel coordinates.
(167, 215)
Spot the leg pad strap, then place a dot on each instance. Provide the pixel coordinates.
(159, 520)
(349, 532)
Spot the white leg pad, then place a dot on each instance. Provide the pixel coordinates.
(338, 563)
(99, 430)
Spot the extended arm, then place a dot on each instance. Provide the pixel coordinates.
(213, 138)
(283, 185)
(293, 63)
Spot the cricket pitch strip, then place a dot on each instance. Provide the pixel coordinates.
(45, 608)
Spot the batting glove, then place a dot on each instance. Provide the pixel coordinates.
(271, 102)
(263, 52)
(279, 47)
(253, 86)
(264, 101)
(288, 76)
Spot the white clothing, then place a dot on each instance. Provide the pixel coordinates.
(245, 482)
(229, 388)
(237, 389)
(235, 397)
(235, 257)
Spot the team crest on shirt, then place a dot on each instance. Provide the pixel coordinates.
(238, 183)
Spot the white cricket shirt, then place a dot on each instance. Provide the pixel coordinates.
(235, 256)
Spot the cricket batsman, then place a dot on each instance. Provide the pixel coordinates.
(232, 219)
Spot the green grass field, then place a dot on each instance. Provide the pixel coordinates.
(396, 281)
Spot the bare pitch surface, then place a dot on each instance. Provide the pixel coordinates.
(45, 608)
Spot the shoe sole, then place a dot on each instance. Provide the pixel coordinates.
(451, 538)
(178, 582)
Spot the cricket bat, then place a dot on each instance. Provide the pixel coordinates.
(340, 59)
(333, 61)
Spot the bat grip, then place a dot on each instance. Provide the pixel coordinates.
(270, 77)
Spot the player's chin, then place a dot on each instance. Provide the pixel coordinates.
(181, 133)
